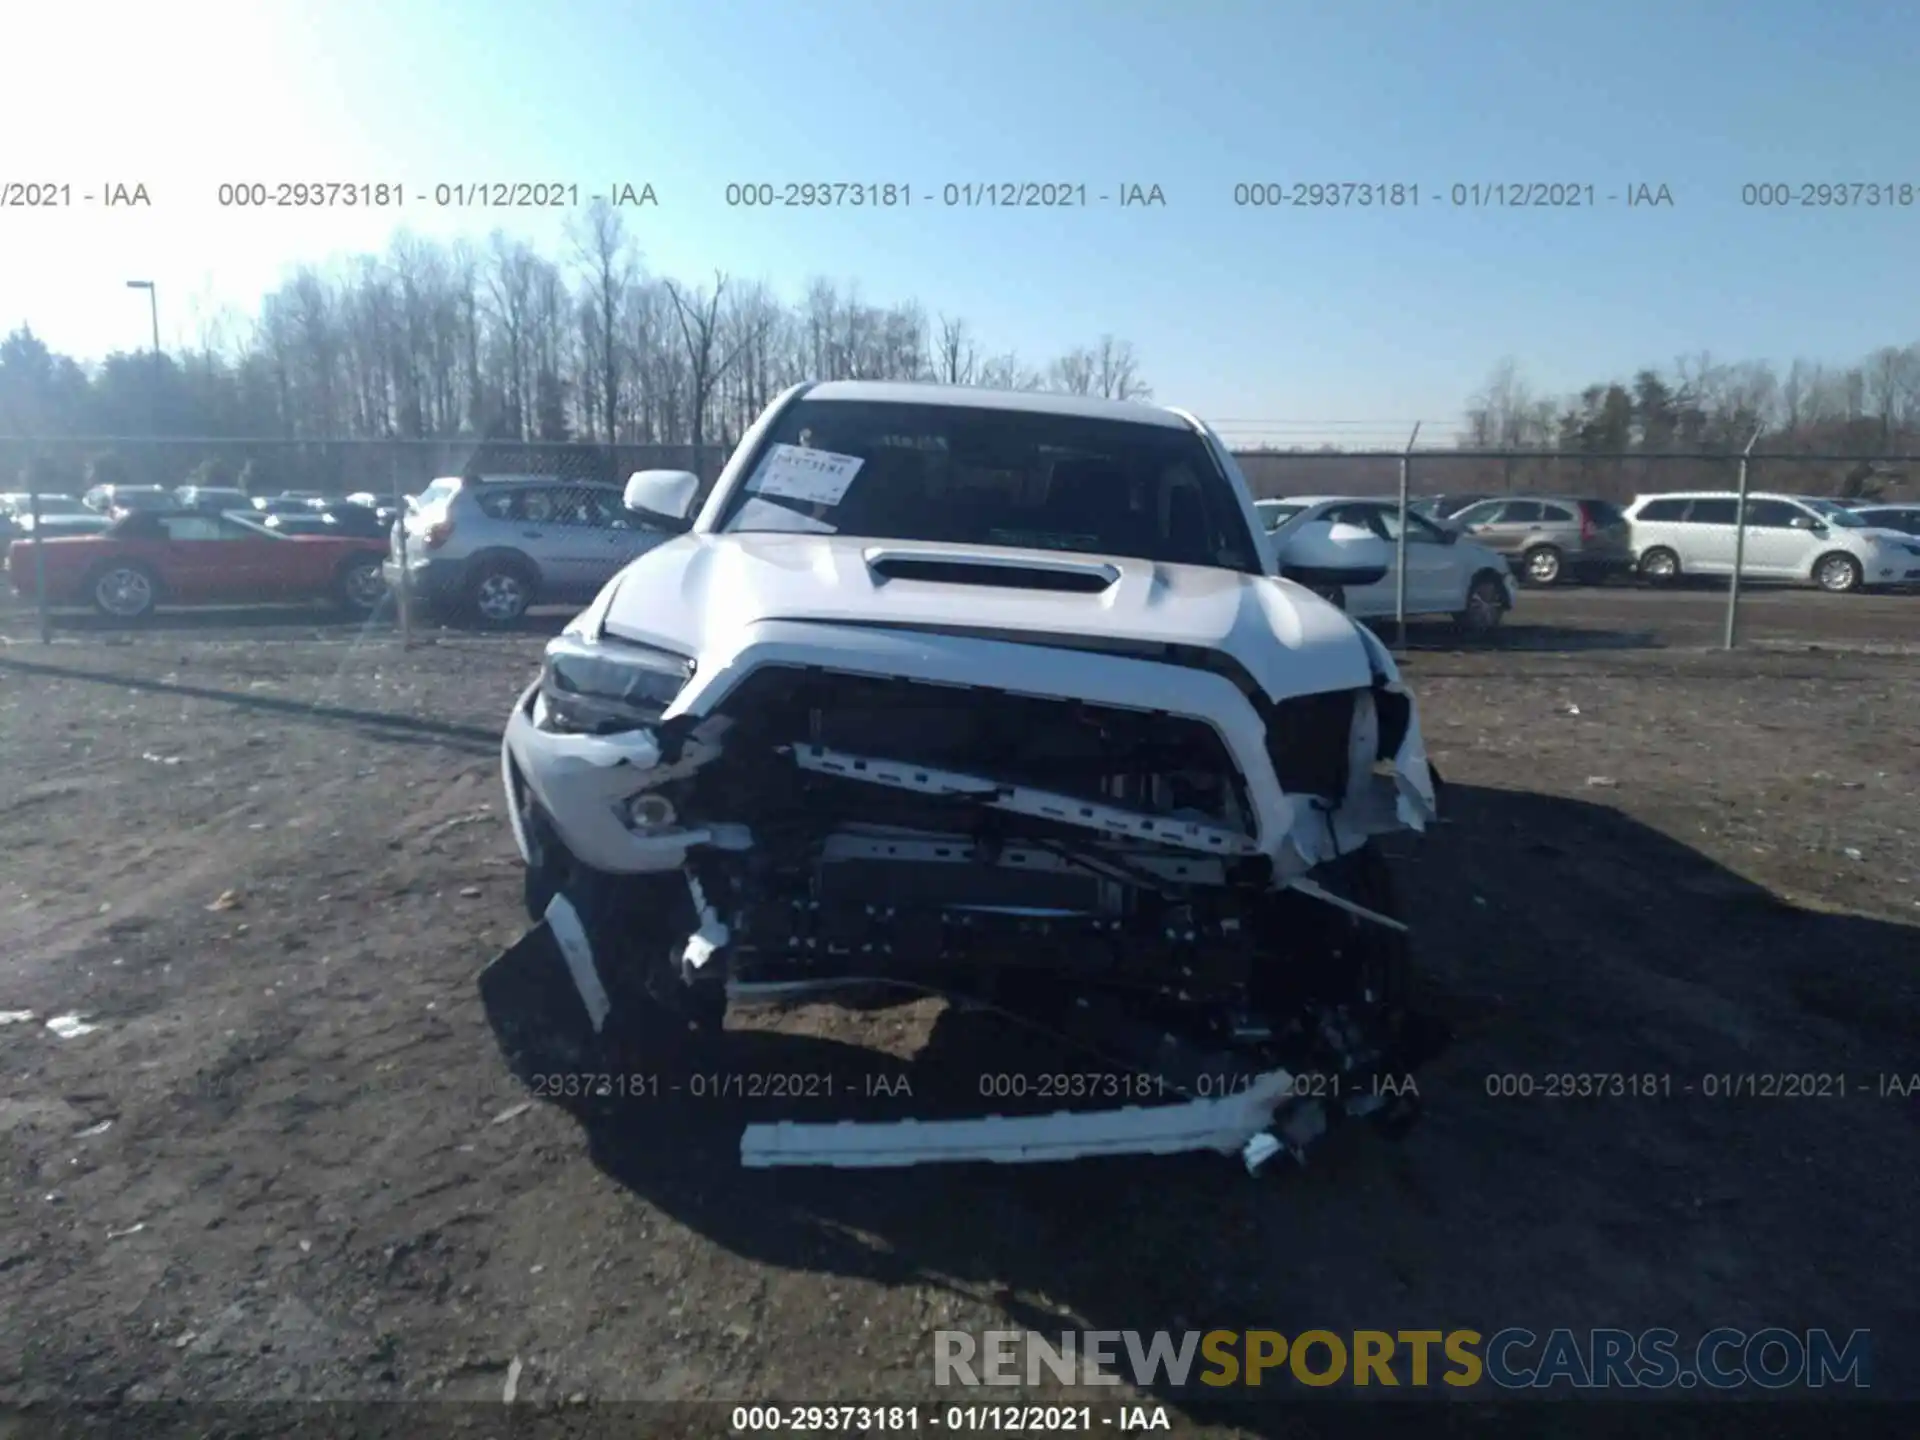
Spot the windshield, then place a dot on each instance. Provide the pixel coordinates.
(1835, 514)
(1274, 513)
(967, 476)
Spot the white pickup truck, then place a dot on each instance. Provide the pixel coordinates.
(991, 696)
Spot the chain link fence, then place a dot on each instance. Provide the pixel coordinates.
(382, 470)
(69, 466)
(1599, 477)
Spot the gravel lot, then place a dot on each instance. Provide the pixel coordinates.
(265, 858)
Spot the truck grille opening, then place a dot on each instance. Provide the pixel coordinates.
(1142, 760)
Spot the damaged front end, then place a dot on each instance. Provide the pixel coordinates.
(1136, 848)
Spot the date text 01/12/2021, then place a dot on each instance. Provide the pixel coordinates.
(1461, 195)
(456, 195)
(718, 1085)
(1001, 1419)
(963, 195)
(1718, 1085)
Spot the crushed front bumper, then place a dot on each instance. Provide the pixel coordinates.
(584, 786)
(585, 783)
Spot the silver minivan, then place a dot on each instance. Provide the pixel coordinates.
(485, 548)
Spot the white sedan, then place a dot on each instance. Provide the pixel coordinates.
(1447, 574)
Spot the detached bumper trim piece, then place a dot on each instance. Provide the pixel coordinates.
(1225, 1125)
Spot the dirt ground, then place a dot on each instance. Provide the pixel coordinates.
(289, 1161)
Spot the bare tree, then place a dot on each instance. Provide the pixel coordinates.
(1500, 415)
(511, 283)
(1009, 372)
(552, 388)
(1073, 372)
(1890, 385)
(601, 245)
(1507, 415)
(494, 341)
(752, 327)
(1794, 395)
(698, 315)
(954, 358)
(1116, 371)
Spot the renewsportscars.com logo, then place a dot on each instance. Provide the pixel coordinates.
(1511, 1359)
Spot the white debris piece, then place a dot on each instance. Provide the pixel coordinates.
(513, 1381)
(706, 941)
(70, 1027)
(1260, 1149)
(1223, 1125)
(564, 921)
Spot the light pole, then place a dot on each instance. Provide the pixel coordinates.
(153, 309)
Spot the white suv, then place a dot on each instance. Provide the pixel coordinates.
(1788, 537)
(490, 546)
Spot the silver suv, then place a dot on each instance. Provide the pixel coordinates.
(486, 547)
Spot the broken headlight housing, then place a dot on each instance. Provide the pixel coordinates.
(602, 687)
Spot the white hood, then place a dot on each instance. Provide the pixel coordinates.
(701, 590)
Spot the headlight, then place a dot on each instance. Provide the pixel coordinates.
(604, 686)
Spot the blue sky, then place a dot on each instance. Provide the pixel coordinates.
(1311, 317)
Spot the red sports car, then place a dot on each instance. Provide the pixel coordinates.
(149, 558)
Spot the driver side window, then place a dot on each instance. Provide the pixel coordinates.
(195, 527)
(1366, 517)
(1773, 514)
(1419, 532)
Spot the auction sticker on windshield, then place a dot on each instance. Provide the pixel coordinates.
(818, 477)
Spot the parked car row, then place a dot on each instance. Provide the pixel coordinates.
(219, 500)
(1543, 539)
(1547, 539)
(486, 548)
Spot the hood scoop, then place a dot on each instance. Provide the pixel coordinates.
(970, 567)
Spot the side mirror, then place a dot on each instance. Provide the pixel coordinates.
(662, 497)
(1323, 554)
